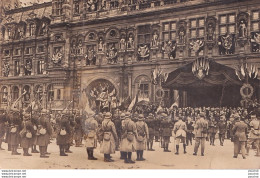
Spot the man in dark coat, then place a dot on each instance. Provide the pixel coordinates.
(27, 133)
(2, 129)
(15, 132)
(151, 124)
(212, 130)
(63, 132)
(79, 132)
(222, 128)
(166, 132)
(239, 131)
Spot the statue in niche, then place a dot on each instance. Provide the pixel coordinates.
(6, 69)
(112, 55)
(242, 28)
(101, 45)
(182, 35)
(28, 67)
(90, 57)
(155, 39)
(130, 42)
(169, 48)
(122, 44)
(211, 32)
(80, 47)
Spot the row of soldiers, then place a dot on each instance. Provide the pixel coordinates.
(125, 132)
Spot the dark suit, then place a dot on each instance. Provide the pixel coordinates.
(240, 130)
(200, 127)
(222, 127)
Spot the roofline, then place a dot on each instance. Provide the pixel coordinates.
(34, 6)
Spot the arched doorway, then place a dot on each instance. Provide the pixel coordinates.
(102, 95)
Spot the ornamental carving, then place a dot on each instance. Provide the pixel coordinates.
(211, 27)
(90, 56)
(143, 53)
(6, 69)
(242, 23)
(226, 44)
(197, 46)
(169, 48)
(182, 32)
(255, 42)
(112, 55)
(57, 56)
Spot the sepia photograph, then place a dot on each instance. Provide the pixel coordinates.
(129, 84)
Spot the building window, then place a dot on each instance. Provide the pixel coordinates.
(40, 66)
(169, 31)
(227, 24)
(50, 93)
(255, 21)
(32, 29)
(7, 52)
(15, 93)
(76, 7)
(144, 35)
(143, 91)
(114, 4)
(197, 32)
(41, 49)
(58, 94)
(16, 68)
(28, 50)
(57, 9)
(4, 95)
(17, 52)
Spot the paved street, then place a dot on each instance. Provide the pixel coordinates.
(216, 157)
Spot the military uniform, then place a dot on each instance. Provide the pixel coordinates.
(122, 153)
(128, 144)
(110, 138)
(200, 128)
(166, 134)
(151, 129)
(79, 132)
(43, 135)
(254, 134)
(142, 136)
(189, 133)
(27, 134)
(180, 134)
(63, 134)
(239, 130)
(222, 128)
(91, 126)
(35, 123)
(212, 131)
(15, 128)
(2, 129)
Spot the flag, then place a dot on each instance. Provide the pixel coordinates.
(133, 102)
(84, 104)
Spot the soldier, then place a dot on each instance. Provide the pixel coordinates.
(122, 153)
(91, 126)
(222, 128)
(110, 138)
(201, 127)
(63, 132)
(78, 131)
(151, 130)
(27, 133)
(71, 134)
(142, 136)
(166, 132)
(190, 128)
(254, 134)
(157, 126)
(239, 131)
(128, 138)
(212, 130)
(43, 134)
(180, 134)
(35, 123)
(15, 128)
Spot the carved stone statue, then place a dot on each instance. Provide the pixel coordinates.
(130, 42)
(122, 44)
(155, 39)
(101, 46)
(6, 69)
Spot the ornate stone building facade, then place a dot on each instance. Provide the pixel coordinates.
(110, 48)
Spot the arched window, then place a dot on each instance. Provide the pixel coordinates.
(142, 86)
(4, 94)
(15, 93)
(50, 93)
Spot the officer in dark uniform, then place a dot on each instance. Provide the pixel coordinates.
(15, 132)
(63, 134)
(166, 132)
(27, 133)
(151, 128)
(157, 126)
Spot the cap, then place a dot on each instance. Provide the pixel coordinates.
(108, 115)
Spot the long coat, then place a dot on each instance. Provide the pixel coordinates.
(15, 137)
(44, 140)
(151, 130)
(63, 125)
(213, 129)
(142, 132)
(109, 146)
(129, 128)
(255, 129)
(91, 126)
(222, 127)
(27, 127)
(240, 130)
(180, 129)
(200, 128)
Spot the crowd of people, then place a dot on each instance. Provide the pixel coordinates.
(129, 132)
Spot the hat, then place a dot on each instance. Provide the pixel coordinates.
(127, 114)
(236, 116)
(202, 114)
(164, 114)
(253, 116)
(108, 115)
(141, 117)
(122, 116)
